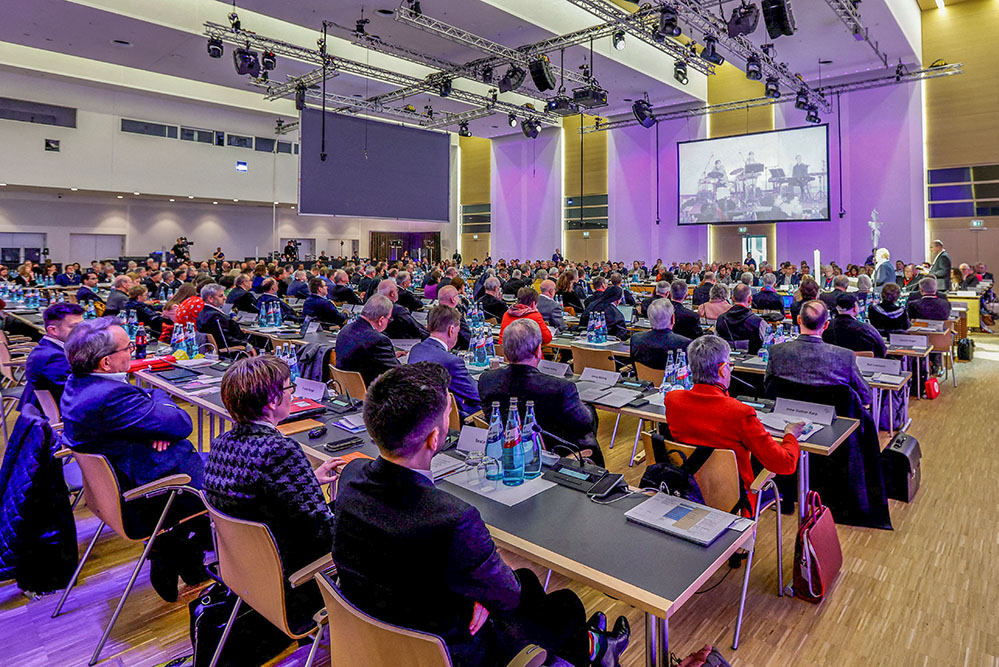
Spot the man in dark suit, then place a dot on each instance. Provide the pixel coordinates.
(662, 292)
(559, 410)
(68, 277)
(153, 283)
(443, 324)
(840, 283)
(740, 323)
(143, 434)
(550, 311)
(846, 331)
(270, 295)
(788, 277)
(809, 360)
(599, 285)
(513, 285)
(380, 542)
(931, 305)
(449, 297)
(402, 325)
(650, 348)
(342, 291)
(768, 298)
(318, 307)
(366, 285)
(211, 320)
(299, 287)
(47, 367)
(686, 322)
(940, 269)
(240, 296)
(407, 299)
(491, 301)
(361, 345)
(702, 293)
(88, 290)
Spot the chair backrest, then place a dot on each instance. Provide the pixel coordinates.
(585, 357)
(718, 478)
(250, 565)
(498, 349)
(351, 382)
(569, 310)
(940, 342)
(6, 371)
(863, 353)
(480, 421)
(101, 490)
(358, 639)
(647, 374)
(49, 407)
(454, 420)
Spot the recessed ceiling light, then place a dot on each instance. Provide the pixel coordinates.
(235, 200)
(123, 43)
(276, 203)
(293, 206)
(215, 202)
(74, 189)
(3, 185)
(172, 200)
(940, 4)
(135, 193)
(120, 197)
(190, 196)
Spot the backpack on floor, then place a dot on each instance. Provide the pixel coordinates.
(965, 349)
(253, 640)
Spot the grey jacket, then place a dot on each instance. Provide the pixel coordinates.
(809, 360)
(551, 312)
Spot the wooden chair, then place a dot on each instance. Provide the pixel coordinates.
(106, 501)
(357, 639)
(569, 310)
(49, 408)
(645, 374)
(863, 353)
(235, 349)
(943, 343)
(454, 420)
(10, 385)
(719, 481)
(250, 565)
(498, 349)
(350, 383)
(598, 359)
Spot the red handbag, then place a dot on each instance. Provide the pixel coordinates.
(932, 387)
(817, 554)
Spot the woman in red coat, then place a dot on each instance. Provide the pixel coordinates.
(526, 306)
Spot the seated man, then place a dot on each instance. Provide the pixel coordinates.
(47, 367)
(888, 316)
(492, 301)
(212, 321)
(240, 296)
(768, 298)
(407, 299)
(550, 311)
(143, 434)
(706, 415)
(809, 360)
(138, 297)
(846, 331)
(559, 410)
(402, 325)
(299, 287)
(361, 346)
(269, 295)
(662, 292)
(840, 283)
(379, 542)
(119, 295)
(702, 293)
(449, 297)
(740, 323)
(68, 277)
(342, 291)
(444, 323)
(88, 290)
(526, 307)
(318, 307)
(686, 322)
(650, 348)
(931, 305)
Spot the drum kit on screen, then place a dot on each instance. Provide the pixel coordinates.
(756, 192)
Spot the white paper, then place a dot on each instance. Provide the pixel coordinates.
(775, 424)
(604, 378)
(888, 378)
(664, 512)
(472, 439)
(310, 389)
(553, 368)
(616, 398)
(657, 398)
(442, 464)
(497, 490)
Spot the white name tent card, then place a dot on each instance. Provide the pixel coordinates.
(907, 340)
(310, 389)
(874, 365)
(553, 368)
(606, 378)
(812, 412)
(472, 439)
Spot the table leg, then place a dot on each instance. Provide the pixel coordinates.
(656, 641)
(211, 427)
(201, 436)
(917, 362)
(891, 413)
(876, 407)
(803, 485)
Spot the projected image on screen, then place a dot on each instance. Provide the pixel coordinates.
(765, 177)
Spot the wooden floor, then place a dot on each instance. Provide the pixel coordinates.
(922, 594)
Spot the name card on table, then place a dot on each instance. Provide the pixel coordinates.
(907, 340)
(595, 376)
(472, 439)
(310, 389)
(553, 368)
(813, 412)
(873, 365)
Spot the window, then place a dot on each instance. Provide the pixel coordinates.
(238, 141)
(475, 218)
(586, 212)
(150, 129)
(284, 147)
(963, 192)
(33, 112)
(200, 136)
(264, 145)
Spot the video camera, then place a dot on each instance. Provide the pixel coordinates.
(184, 242)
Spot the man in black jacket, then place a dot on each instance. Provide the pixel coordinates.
(739, 323)
(342, 291)
(840, 283)
(361, 346)
(491, 302)
(846, 331)
(402, 325)
(407, 299)
(768, 298)
(702, 293)
(211, 320)
(380, 542)
(240, 296)
(88, 290)
(366, 286)
(686, 322)
(318, 307)
(650, 348)
(662, 292)
(931, 305)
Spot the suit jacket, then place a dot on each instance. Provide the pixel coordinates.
(810, 360)
(65, 280)
(384, 510)
(242, 300)
(887, 317)
(884, 273)
(740, 323)
(298, 289)
(551, 312)
(940, 269)
(646, 302)
(702, 294)
(85, 294)
(146, 314)
(409, 301)
(829, 298)
(322, 309)
(767, 299)
(46, 368)
(360, 348)
(464, 388)
(287, 312)
(116, 301)
(344, 294)
(513, 285)
(224, 329)
(650, 348)
(929, 308)
(846, 331)
(792, 280)
(402, 325)
(686, 322)
(494, 307)
(365, 284)
(616, 326)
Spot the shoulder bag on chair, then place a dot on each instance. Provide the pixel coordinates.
(817, 555)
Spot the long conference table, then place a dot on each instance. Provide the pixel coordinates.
(560, 529)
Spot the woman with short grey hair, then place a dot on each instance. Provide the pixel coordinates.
(706, 355)
(717, 304)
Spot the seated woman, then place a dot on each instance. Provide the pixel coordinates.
(172, 313)
(255, 473)
(566, 288)
(526, 306)
(717, 305)
(138, 297)
(606, 302)
(888, 316)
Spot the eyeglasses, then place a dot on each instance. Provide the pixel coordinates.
(130, 347)
(289, 387)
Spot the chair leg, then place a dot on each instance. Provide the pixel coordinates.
(76, 500)
(315, 646)
(953, 368)
(634, 450)
(614, 434)
(225, 633)
(131, 581)
(76, 574)
(548, 577)
(745, 578)
(780, 545)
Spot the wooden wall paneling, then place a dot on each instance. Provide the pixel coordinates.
(579, 248)
(475, 170)
(594, 152)
(474, 248)
(966, 245)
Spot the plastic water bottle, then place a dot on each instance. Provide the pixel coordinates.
(513, 452)
(602, 328)
(140, 343)
(530, 440)
(180, 340)
(191, 340)
(262, 317)
(591, 328)
(481, 354)
(490, 343)
(494, 441)
(278, 316)
(669, 374)
(291, 356)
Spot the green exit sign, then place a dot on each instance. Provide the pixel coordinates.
(742, 230)
(977, 223)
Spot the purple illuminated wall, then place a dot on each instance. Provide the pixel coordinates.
(526, 195)
(882, 168)
(631, 183)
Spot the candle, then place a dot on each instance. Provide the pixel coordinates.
(817, 263)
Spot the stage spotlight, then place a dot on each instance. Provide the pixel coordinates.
(300, 97)
(531, 128)
(511, 120)
(445, 88)
(246, 62)
(754, 69)
(512, 80)
(643, 113)
(772, 89)
(463, 129)
(268, 60)
(744, 20)
(618, 40)
(680, 71)
(668, 25)
(486, 74)
(801, 100)
(812, 116)
(710, 51)
(215, 47)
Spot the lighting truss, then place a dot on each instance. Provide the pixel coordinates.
(672, 113)
(242, 37)
(848, 14)
(457, 118)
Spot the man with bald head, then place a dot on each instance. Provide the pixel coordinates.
(550, 311)
(406, 298)
(401, 325)
(342, 292)
(448, 296)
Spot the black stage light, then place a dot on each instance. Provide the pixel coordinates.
(744, 20)
(754, 69)
(668, 25)
(268, 60)
(486, 74)
(710, 51)
(801, 100)
(512, 80)
(300, 97)
(680, 71)
(214, 47)
(618, 40)
(812, 116)
(643, 113)
(246, 62)
(511, 120)
(531, 128)
(778, 17)
(772, 89)
(463, 129)
(445, 88)
(541, 73)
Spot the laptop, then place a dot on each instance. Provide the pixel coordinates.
(421, 316)
(788, 300)
(227, 308)
(628, 312)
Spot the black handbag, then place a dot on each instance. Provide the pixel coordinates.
(965, 349)
(253, 640)
(672, 479)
